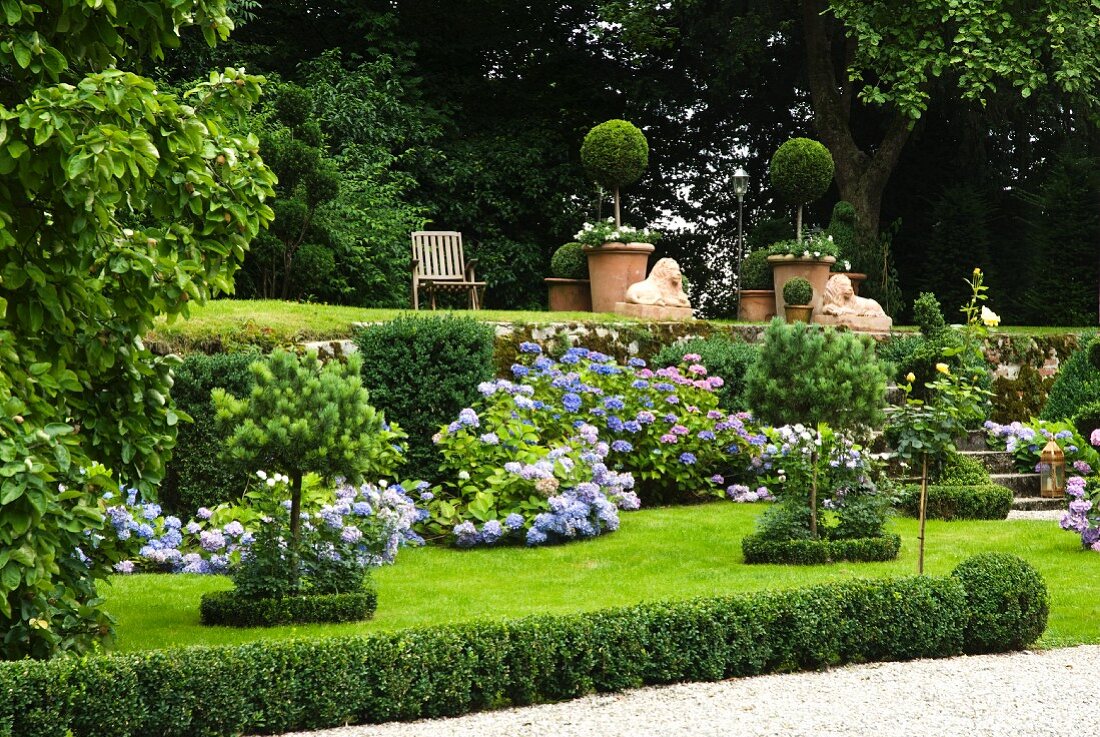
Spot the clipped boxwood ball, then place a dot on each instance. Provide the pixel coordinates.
(1007, 599)
(615, 153)
(798, 291)
(569, 262)
(756, 273)
(801, 170)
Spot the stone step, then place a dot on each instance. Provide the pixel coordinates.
(1021, 484)
(995, 461)
(1038, 504)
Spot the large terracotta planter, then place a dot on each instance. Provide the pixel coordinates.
(612, 268)
(756, 305)
(814, 270)
(569, 295)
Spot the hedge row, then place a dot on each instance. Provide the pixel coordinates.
(227, 608)
(758, 549)
(989, 501)
(271, 687)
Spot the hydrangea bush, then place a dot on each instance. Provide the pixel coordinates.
(1025, 441)
(1082, 516)
(374, 519)
(584, 414)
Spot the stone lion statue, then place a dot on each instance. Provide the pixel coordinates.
(840, 299)
(663, 287)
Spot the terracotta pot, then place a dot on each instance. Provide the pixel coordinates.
(756, 305)
(814, 270)
(569, 295)
(612, 268)
(798, 313)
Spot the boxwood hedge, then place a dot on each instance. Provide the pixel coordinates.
(228, 608)
(988, 501)
(272, 687)
(758, 549)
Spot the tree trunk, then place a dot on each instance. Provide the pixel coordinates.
(618, 220)
(860, 177)
(295, 525)
(923, 509)
(813, 498)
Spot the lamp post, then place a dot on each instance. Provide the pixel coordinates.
(740, 187)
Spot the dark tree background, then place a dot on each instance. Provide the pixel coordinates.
(468, 115)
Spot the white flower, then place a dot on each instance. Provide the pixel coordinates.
(271, 482)
(261, 474)
(817, 254)
(990, 318)
(464, 475)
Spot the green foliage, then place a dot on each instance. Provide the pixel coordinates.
(232, 609)
(756, 273)
(1076, 384)
(953, 500)
(421, 371)
(767, 232)
(842, 229)
(926, 429)
(759, 548)
(723, 357)
(801, 170)
(197, 476)
(816, 245)
(569, 262)
(118, 202)
(928, 316)
(1007, 602)
(798, 291)
(444, 671)
(960, 470)
(898, 49)
(615, 153)
(1087, 418)
(809, 375)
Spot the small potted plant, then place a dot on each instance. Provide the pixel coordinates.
(568, 283)
(614, 153)
(798, 294)
(757, 297)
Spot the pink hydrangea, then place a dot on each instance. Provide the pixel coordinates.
(1095, 437)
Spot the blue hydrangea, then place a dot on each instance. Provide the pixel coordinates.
(687, 458)
(468, 418)
(636, 363)
(513, 521)
(528, 347)
(519, 370)
(571, 402)
(614, 403)
(621, 446)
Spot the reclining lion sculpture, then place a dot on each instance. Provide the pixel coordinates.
(663, 287)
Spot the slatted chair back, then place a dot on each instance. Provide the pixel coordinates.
(438, 254)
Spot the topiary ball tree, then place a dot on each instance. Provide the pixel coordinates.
(615, 153)
(569, 262)
(801, 170)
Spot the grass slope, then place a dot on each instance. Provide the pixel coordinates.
(667, 553)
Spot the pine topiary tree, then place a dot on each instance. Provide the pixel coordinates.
(304, 416)
(809, 375)
(801, 170)
(615, 153)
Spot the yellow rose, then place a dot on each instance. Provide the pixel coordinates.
(942, 368)
(910, 377)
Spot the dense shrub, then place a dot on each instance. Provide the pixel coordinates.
(1087, 418)
(801, 170)
(615, 153)
(758, 548)
(960, 470)
(986, 501)
(808, 374)
(756, 273)
(197, 476)
(798, 291)
(928, 315)
(274, 687)
(1076, 384)
(1007, 602)
(896, 351)
(842, 229)
(421, 371)
(921, 356)
(569, 262)
(231, 609)
(724, 357)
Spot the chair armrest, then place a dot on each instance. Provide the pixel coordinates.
(470, 269)
(413, 263)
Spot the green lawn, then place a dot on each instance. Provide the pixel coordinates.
(668, 553)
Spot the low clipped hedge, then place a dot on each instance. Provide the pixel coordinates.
(230, 609)
(988, 604)
(758, 549)
(988, 501)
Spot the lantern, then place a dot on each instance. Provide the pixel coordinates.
(1052, 471)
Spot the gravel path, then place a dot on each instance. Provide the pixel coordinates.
(1028, 694)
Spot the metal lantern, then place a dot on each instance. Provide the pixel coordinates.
(1052, 471)
(740, 182)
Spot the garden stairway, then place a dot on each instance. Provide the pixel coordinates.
(1002, 470)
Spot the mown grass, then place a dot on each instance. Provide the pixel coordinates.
(668, 553)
